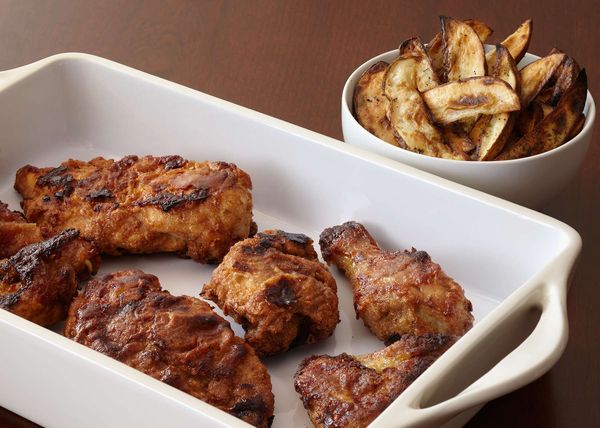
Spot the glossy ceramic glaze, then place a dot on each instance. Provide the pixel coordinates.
(513, 262)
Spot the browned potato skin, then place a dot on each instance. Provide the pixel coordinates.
(517, 44)
(536, 74)
(529, 118)
(419, 72)
(454, 101)
(434, 47)
(142, 205)
(404, 81)
(491, 132)
(351, 391)
(567, 72)
(556, 127)
(276, 288)
(412, 121)
(459, 140)
(463, 52)
(410, 70)
(40, 280)
(371, 105)
(396, 293)
(178, 340)
(15, 232)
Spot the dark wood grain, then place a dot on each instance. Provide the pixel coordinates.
(289, 59)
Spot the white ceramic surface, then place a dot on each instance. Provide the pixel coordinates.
(513, 262)
(531, 181)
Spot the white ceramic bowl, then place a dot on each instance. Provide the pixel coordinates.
(530, 181)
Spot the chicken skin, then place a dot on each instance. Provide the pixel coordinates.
(275, 287)
(351, 391)
(396, 293)
(15, 232)
(142, 205)
(178, 340)
(39, 281)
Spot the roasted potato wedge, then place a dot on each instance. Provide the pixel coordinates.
(545, 95)
(413, 46)
(471, 97)
(505, 68)
(535, 76)
(529, 118)
(555, 128)
(566, 74)
(463, 52)
(434, 47)
(411, 120)
(371, 105)
(490, 133)
(459, 141)
(517, 44)
(412, 69)
(546, 108)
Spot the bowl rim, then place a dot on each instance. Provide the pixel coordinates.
(589, 112)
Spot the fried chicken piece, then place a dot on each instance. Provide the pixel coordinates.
(40, 280)
(396, 292)
(349, 391)
(275, 287)
(179, 340)
(143, 205)
(15, 232)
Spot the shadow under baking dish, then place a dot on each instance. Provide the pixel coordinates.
(76, 106)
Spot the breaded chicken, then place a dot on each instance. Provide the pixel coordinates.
(39, 281)
(179, 340)
(276, 288)
(142, 205)
(396, 292)
(351, 391)
(15, 232)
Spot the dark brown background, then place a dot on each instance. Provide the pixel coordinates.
(289, 59)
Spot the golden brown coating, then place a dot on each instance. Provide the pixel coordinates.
(142, 205)
(178, 340)
(15, 232)
(39, 281)
(276, 288)
(396, 292)
(348, 391)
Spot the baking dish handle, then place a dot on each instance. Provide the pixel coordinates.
(419, 407)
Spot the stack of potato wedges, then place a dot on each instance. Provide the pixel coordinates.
(451, 99)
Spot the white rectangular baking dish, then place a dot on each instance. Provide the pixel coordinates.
(513, 262)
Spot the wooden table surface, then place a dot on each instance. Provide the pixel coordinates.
(289, 59)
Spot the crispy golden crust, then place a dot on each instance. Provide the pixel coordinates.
(434, 47)
(566, 75)
(276, 288)
(469, 98)
(554, 129)
(15, 232)
(40, 280)
(370, 104)
(348, 391)
(395, 292)
(463, 54)
(536, 75)
(176, 339)
(142, 205)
